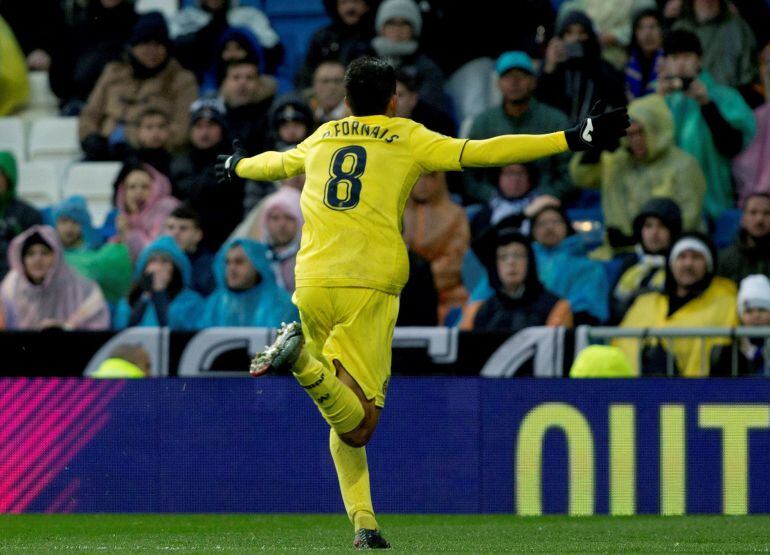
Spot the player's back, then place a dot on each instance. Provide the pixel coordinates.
(359, 174)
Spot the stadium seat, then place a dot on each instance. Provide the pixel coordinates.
(12, 137)
(726, 227)
(39, 183)
(473, 88)
(167, 7)
(93, 180)
(40, 93)
(294, 8)
(295, 32)
(54, 138)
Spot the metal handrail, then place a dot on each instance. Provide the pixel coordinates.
(584, 335)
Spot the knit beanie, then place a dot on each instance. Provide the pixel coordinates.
(754, 293)
(405, 9)
(690, 243)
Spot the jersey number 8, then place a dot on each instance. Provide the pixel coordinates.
(343, 190)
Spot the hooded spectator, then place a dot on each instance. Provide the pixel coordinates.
(574, 75)
(14, 84)
(645, 53)
(564, 268)
(750, 252)
(712, 122)
(280, 222)
(344, 39)
(192, 173)
(519, 112)
(693, 297)
(728, 42)
(15, 215)
(612, 22)
(161, 293)
(42, 291)
(291, 122)
(437, 229)
(183, 224)
(656, 227)
(647, 165)
(144, 201)
(98, 35)
(398, 24)
(109, 265)
(520, 300)
(149, 77)
(236, 43)
(246, 293)
(198, 29)
(750, 168)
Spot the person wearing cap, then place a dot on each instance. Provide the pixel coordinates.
(148, 77)
(750, 252)
(753, 357)
(693, 296)
(15, 214)
(574, 75)
(192, 174)
(647, 165)
(520, 300)
(398, 24)
(519, 112)
(291, 122)
(656, 227)
(712, 122)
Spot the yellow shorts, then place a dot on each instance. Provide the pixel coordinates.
(353, 325)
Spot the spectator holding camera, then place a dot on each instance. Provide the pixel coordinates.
(711, 121)
(574, 74)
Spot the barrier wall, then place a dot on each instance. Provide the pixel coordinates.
(454, 445)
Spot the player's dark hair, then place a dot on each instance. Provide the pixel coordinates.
(186, 212)
(682, 42)
(370, 84)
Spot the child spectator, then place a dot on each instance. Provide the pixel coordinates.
(291, 122)
(161, 294)
(41, 290)
(246, 293)
(183, 224)
(151, 139)
(437, 229)
(15, 215)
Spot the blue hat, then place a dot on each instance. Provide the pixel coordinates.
(514, 59)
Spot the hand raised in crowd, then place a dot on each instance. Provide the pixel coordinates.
(225, 167)
(555, 53)
(539, 203)
(161, 274)
(698, 91)
(672, 9)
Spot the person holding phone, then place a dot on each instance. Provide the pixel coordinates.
(711, 121)
(574, 75)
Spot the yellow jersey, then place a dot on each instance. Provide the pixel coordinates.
(359, 174)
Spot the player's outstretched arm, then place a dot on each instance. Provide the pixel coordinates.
(597, 130)
(268, 166)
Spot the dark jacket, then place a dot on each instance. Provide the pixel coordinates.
(419, 298)
(575, 85)
(742, 259)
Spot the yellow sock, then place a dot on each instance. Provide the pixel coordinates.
(338, 404)
(353, 475)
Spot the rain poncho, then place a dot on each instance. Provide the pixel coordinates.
(264, 305)
(182, 311)
(627, 184)
(692, 134)
(64, 296)
(751, 167)
(108, 265)
(284, 259)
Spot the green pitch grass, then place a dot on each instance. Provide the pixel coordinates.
(408, 534)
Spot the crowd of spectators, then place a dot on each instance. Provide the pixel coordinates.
(490, 249)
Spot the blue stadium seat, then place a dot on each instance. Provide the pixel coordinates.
(726, 227)
(295, 33)
(293, 8)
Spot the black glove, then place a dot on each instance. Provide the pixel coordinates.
(598, 130)
(225, 167)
